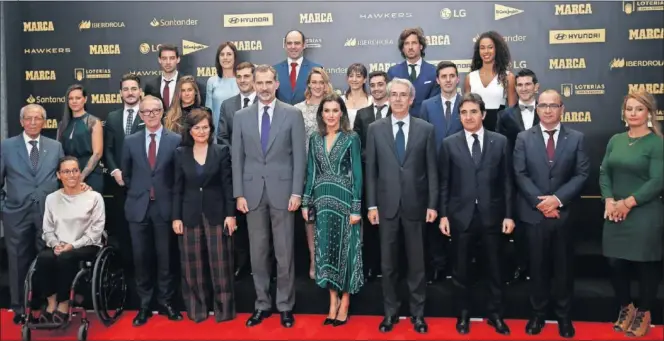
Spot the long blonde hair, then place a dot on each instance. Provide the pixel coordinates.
(326, 78)
(650, 103)
(173, 118)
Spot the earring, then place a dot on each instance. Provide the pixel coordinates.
(649, 121)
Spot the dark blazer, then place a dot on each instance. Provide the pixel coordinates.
(564, 178)
(433, 111)
(285, 93)
(225, 125)
(114, 137)
(139, 177)
(210, 194)
(153, 86)
(411, 188)
(363, 119)
(510, 123)
(461, 182)
(425, 84)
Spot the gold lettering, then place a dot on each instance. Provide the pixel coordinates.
(105, 49)
(567, 63)
(106, 98)
(652, 88)
(380, 66)
(573, 9)
(576, 116)
(40, 75)
(646, 33)
(38, 26)
(206, 71)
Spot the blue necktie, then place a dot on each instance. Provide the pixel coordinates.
(400, 143)
(265, 129)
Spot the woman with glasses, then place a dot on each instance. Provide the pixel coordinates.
(187, 97)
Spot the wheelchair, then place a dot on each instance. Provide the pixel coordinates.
(106, 284)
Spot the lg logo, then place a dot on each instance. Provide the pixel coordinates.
(447, 13)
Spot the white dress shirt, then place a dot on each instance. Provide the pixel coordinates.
(297, 68)
(470, 139)
(27, 140)
(251, 98)
(418, 66)
(405, 128)
(157, 139)
(171, 86)
(545, 135)
(383, 112)
(125, 116)
(452, 102)
(528, 116)
(270, 112)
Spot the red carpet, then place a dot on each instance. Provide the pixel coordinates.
(307, 327)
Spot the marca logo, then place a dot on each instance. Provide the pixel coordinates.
(502, 12)
(510, 39)
(567, 63)
(81, 74)
(630, 7)
(44, 99)
(380, 66)
(447, 13)
(463, 65)
(621, 62)
(646, 33)
(48, 50)
(574, 9)
(206, 71)
(38, 26)
(577, 36)
(437, 40)
(315, 18)
(248, 45)
(51, 123)
(144, 73)
(652, 88)
(189, 47)
(173, 22)
(248, 20)
(354, 42)
(569, 89)
(310, 43)
(87, 24)
(114, 98)
(40, 75)
(105, 49)
(387, 15)
(576, 117)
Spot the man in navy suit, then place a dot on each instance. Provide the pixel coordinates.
(551, 168)
(292, 73)
(421, 74)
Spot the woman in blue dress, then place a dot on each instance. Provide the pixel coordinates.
(223, 85)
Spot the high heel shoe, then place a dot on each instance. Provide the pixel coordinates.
(330, 321)
(338, 323)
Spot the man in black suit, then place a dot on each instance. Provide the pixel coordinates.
(163, 87)
(402, 195)
(551, 167)
(148, 173)
(476, 193)
(365, 116)
(121, 123)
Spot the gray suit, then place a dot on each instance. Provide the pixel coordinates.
(23, 204)
(229, 108)
(267, 183)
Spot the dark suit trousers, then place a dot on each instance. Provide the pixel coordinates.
(389, 244)
(551, 254)
(464, 243)
(370, 243)
(117, 226)
(241, 241)
(23, 239)
(436, 245)
(151, 244)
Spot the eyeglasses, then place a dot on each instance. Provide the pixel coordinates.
(544, 106)
(153, 112)
(69, 172)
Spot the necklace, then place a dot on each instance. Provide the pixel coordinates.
(633, 140)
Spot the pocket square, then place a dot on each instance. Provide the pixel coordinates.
(141, 124)
(427, 82)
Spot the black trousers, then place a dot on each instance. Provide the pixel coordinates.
(649, 275)
(551, 249)
(241, 241)
(370, 244)
(464, 242)
(55, 274)
(436, 247)
(118, 227)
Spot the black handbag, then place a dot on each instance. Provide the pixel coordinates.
(311, 217)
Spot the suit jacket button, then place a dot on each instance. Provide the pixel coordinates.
(201, 189)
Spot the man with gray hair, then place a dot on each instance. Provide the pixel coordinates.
(28, 163)
(402, 194)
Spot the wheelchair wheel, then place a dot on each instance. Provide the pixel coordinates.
(109, 287)
(83, 331)
(27, 289)
(25, 333)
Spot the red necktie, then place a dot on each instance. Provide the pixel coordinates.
(293, 75)
(152, 158)
(550, 145)
(166, 96)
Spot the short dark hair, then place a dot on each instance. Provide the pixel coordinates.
(472, 97)
(217, 64)
(130, 77)
(526, 73)
(378, 73)
(344, 123)
(245, 65)
(169, 47)
(419, 33)
(195, 117)
(444, 65)
(362, 70)
(304, 39)
(65, 159)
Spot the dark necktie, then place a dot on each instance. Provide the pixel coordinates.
(152, 158)
(526, 107)
(166, 96)
(34, 154)
(448, 110)
(379, 110)
(550, 145)
(130, 121)
(400, 143)
(265, 129)
(246, 102)
(293, 75)
(477, 150)
(413, 73)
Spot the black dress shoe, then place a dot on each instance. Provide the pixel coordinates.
(257, 317)
(566, 328)
(338, 323)
(388, 323)
(495, 321)
(142, 317)
(419, 324)
(328, 321)
(287, 319)
(171, 313)
(463, 323)
(535, 325)
(19, 318)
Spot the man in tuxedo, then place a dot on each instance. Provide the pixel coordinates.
(402, 195)
(443, 112)
(365, 116)
(476, 194)
(421, 74)
(121, 123)
(551, 167)
(268, 178)
(28, 163)
(510, 123)
(147, 171)
(295, 69)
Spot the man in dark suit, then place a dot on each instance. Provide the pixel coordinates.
(365, 116)
(421, 74)
(476, 193)
(28, 163)
(402, 195)
(551, 167)
(443, 112)
(292, 73)
(121, 123)
(510, 123)
(147, 170)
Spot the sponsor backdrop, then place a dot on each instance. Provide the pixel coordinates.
(594, 53)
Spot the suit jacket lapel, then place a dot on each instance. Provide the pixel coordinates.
(463, 148)
(277, 119)
(518, 117)
(42, 154)
(144, 151)
(22, 150)
(252, 130)
(539, 142)
(389, 137)
(560, 146)
(487, 144)
(284, 73)
(412, 135)
(301, 81)
(162, 143)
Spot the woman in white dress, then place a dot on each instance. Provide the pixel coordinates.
(490, 76)
(356, 97)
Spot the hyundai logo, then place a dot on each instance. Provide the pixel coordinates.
(561, 36)
(234, 20)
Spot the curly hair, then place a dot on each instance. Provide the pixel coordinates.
(502, 59)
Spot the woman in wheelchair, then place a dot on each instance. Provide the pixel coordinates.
(73, 226)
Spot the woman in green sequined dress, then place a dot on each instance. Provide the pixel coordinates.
(334, 190)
